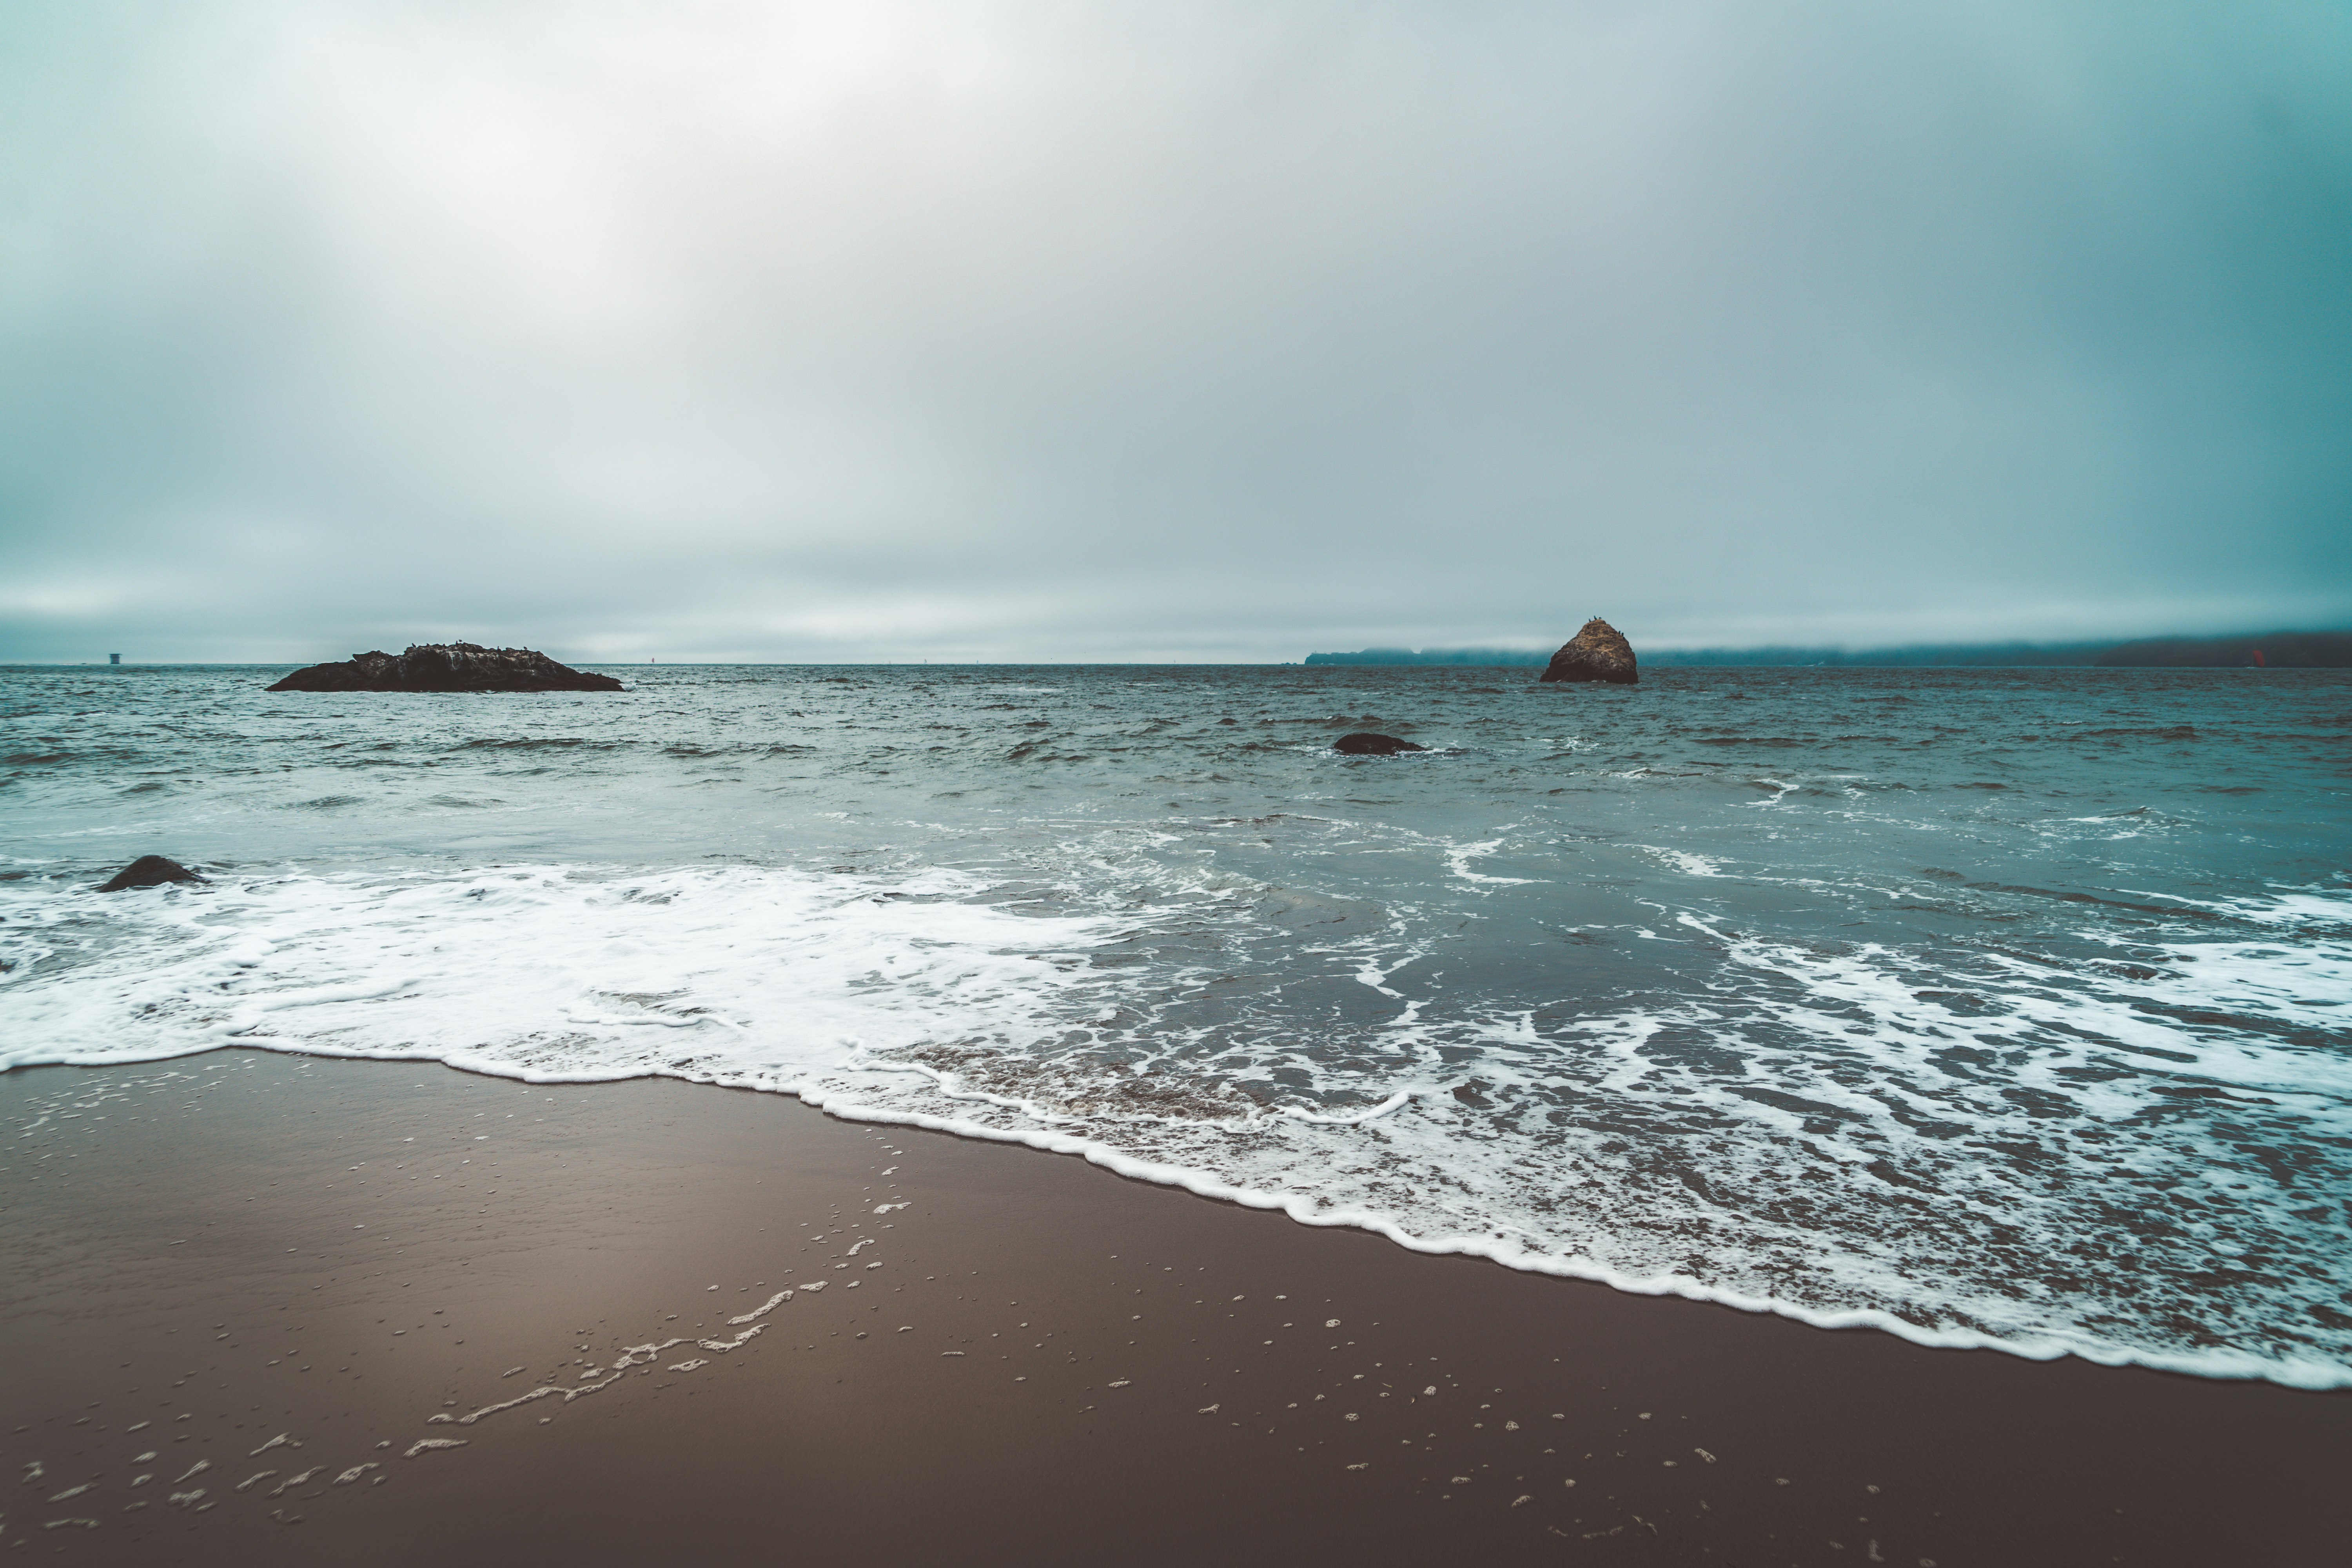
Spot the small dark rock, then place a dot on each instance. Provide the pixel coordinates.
(446, 666)
(150, 871)
(1598, 652)
(1364, 743)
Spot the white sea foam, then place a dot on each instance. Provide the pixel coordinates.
(762, 1310)
(541, 972)
(1860, 1135)
(1688, 864)
(1459, 856)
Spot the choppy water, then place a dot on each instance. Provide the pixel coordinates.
(1988, 1007)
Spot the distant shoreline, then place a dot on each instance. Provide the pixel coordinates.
(2279, 650)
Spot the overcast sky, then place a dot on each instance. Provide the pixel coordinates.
(870, 329)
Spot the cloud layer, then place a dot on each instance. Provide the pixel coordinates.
(894, 330)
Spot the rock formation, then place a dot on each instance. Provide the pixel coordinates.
(1364, 743)
(446, 666)
(150, 871)
(1598, 652)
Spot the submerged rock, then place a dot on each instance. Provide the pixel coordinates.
(1597, 652)
(446, 666)
(150, 871)
(1364, 743)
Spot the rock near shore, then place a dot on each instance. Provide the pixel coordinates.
(1365, 743)
(149, 872)
(1598, 652)
(447, 666)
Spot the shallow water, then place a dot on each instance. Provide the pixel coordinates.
(1990, 1007)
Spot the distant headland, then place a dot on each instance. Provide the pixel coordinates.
(2275, 650)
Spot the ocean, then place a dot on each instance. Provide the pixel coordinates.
(1989, 1007)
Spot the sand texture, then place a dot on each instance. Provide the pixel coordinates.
(268, 1309)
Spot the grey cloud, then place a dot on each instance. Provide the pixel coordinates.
(894, 331)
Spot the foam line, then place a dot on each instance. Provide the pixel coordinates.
(2304, 1373)
(1858, 1073)
(770, 1305)
(566, 1394)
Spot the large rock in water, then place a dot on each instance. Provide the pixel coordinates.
(1365, 743)
(150, 871)
(1599, 652)
(447, 666)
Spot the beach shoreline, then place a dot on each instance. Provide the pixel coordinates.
(1030, 1359)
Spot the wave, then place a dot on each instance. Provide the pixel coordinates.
(1976, 1150)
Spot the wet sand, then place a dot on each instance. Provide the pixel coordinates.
(1030, 1360)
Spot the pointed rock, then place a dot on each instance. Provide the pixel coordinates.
(1598, 652)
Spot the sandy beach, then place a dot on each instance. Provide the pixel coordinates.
(271, 1309)
(1020, 784)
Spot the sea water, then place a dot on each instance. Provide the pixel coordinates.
(1991, 1007)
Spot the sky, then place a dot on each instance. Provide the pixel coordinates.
(876, 330)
